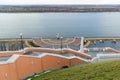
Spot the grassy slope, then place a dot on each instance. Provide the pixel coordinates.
(109, 70)
(31, 44)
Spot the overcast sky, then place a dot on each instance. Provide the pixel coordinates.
(59, 2)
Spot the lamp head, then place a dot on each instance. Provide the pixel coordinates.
(21, 34)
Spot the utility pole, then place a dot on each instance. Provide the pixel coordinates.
(61, 43)
(21, 39)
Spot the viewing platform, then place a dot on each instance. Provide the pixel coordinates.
(72, 43)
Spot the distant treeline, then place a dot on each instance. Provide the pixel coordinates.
(60, 8)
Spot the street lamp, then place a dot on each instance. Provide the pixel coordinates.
(61, 43)
(21, 39)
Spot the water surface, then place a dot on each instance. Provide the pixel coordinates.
(101, 24)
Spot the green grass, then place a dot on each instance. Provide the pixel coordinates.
(33, 44)
(109, 70)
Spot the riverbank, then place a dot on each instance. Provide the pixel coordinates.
(60, 8)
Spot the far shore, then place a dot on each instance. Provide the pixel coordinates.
(59, 8)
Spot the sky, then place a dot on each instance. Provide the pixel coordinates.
(16, 2)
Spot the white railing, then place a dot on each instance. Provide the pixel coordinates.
(96, 49)
(102, 57)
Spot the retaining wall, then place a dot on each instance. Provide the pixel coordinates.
(18, 67)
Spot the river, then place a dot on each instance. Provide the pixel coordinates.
(99, 24)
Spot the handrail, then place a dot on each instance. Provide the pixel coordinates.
(45, 50)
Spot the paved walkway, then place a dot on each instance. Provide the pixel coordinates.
(56, 43)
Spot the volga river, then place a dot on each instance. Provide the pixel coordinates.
(100, 24)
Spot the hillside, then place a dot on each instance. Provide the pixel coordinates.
(108, 70)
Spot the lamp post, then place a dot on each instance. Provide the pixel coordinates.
(21, 39)
(61, 43)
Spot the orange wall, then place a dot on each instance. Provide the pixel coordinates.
(10, 53)
(28, 65)
(25, 66)
(44, 50)
(76, 61)
(112, 50)
(77, 53)
(8, 72)
(64, 62)
(51, 62)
